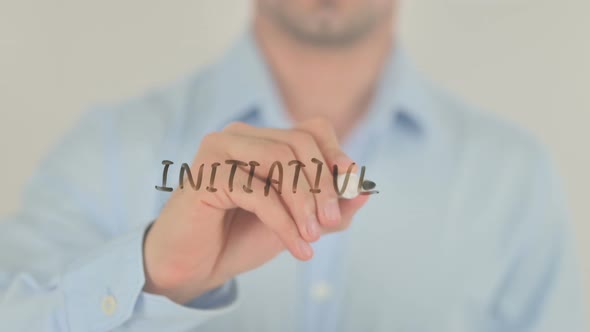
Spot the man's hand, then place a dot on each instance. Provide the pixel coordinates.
(202, 239)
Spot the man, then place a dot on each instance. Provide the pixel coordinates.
(468, 231)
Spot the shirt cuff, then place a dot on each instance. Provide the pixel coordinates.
(159, 313)
(104, 291)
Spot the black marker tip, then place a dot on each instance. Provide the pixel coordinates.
(368, 185)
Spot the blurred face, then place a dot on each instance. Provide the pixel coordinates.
(327, 22)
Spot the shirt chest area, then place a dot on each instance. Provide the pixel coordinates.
(394, 268)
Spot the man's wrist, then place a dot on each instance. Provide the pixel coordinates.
(161, 279)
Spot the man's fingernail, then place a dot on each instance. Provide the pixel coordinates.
(343, 162)
(313, 227)
(332, 210)
(304, 248)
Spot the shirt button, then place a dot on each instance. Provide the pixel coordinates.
(109, 305)
(321, 291)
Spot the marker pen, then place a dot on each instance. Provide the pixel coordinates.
(351, 190)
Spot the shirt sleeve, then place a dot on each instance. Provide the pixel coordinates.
(69, 263)
(541, 289)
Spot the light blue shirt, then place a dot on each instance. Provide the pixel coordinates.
(468, 233)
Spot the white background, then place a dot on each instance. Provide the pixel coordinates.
(527, 60)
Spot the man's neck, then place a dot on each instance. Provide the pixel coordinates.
(335, 83)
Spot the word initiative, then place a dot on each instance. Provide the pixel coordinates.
(275, 178)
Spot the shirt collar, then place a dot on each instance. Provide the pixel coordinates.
(243, 87)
